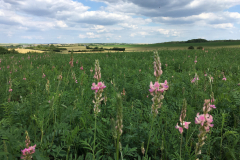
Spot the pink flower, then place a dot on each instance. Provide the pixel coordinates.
(224, 79)
(10, 90)
(76, 81)
(179, 128)
(164, 85)
(195, 61)
(100, 85)
(27, 152)
(139, 70)
(209, 118)
(200, 119)
(205, 75)
(24, 78)
(81, 68)
(185, 124)
(154, 87)
(194, 79)
(91, 70)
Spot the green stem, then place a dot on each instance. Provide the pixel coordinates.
(94, 138)
(117, 150)
(181, 147)
(149, 135)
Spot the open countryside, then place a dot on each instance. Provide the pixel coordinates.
(119, 80)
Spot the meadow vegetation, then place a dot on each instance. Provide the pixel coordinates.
(126, 105)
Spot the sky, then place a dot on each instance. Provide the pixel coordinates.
(117, 21)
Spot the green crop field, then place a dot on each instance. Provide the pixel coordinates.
(70, 115)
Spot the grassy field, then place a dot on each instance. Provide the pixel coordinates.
(51, 97)
(143, 47)
(162, 46)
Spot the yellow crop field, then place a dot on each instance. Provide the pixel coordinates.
(28, 50)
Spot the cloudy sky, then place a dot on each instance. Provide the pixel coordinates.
(117, 21)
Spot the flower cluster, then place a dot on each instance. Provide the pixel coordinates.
(195, 78)
(157, 89)
(71, 60)
(157, 66)
(182, 117)
(195, 60)
(154, 88)
(98, 87)
(27, 152)
(224, 78)
(205, 120)
(97, 74)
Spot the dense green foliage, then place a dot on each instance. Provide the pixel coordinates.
(199, 40)
(102, 49)
(6, 51)
(46, 48)
(58, 114)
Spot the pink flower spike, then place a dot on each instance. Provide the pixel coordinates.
(224, 79)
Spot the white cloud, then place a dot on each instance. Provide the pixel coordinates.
(88, 35)
(61, 24)
(224, 25)
(1, 13)
(126, 25)
(27, 37)
(32, 37)
(9, 34)
(133, 34)
(120, 19)
(81, 36)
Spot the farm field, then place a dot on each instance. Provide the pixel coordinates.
(140, 47)
(161, 46)
(71, 115)
(27, 50)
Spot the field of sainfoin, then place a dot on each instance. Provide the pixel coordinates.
(172, 105)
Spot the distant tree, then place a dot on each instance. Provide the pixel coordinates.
(6, 51)
(3, 50)
(196, 40)
(190, 47)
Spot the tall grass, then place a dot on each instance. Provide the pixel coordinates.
(58, 111)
